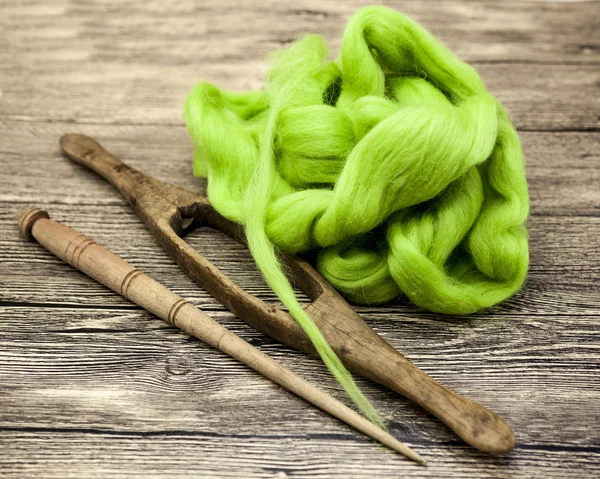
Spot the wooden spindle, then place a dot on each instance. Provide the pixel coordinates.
(117, 274)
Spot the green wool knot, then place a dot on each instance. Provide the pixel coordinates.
(393, 163)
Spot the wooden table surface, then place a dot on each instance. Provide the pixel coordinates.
(93, 386)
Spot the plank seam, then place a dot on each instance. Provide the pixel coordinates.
(337, 436)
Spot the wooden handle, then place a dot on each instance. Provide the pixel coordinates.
(86, 152)
(169, 211)
(111, 270)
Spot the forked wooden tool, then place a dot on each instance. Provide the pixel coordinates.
(116, 273)
(169, 212)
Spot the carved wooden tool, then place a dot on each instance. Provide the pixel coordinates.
(116, 273)
(169, 212)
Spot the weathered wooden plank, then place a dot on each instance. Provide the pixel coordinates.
(89, 62)
(125, 370)
(563, 275)
(562, 168)
(101, 454)
(221, 31)
(537, 96)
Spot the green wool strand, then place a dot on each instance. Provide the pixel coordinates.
(392, 163)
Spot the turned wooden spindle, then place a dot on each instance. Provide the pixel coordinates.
(111, 270)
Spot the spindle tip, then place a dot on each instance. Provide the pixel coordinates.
(418, 459)
(405, 451)
(28, 218)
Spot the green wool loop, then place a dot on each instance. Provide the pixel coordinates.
(393, 163)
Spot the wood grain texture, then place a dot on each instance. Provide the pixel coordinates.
(93, 386)
(95, 62)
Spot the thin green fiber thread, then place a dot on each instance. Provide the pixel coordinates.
(392, 162)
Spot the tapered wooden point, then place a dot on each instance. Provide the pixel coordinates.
(407, 452)
(390, 441)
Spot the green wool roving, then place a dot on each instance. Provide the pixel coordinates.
(392, 163)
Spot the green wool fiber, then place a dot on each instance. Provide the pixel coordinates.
(392, 163)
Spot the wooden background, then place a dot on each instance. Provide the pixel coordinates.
(92, 386)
